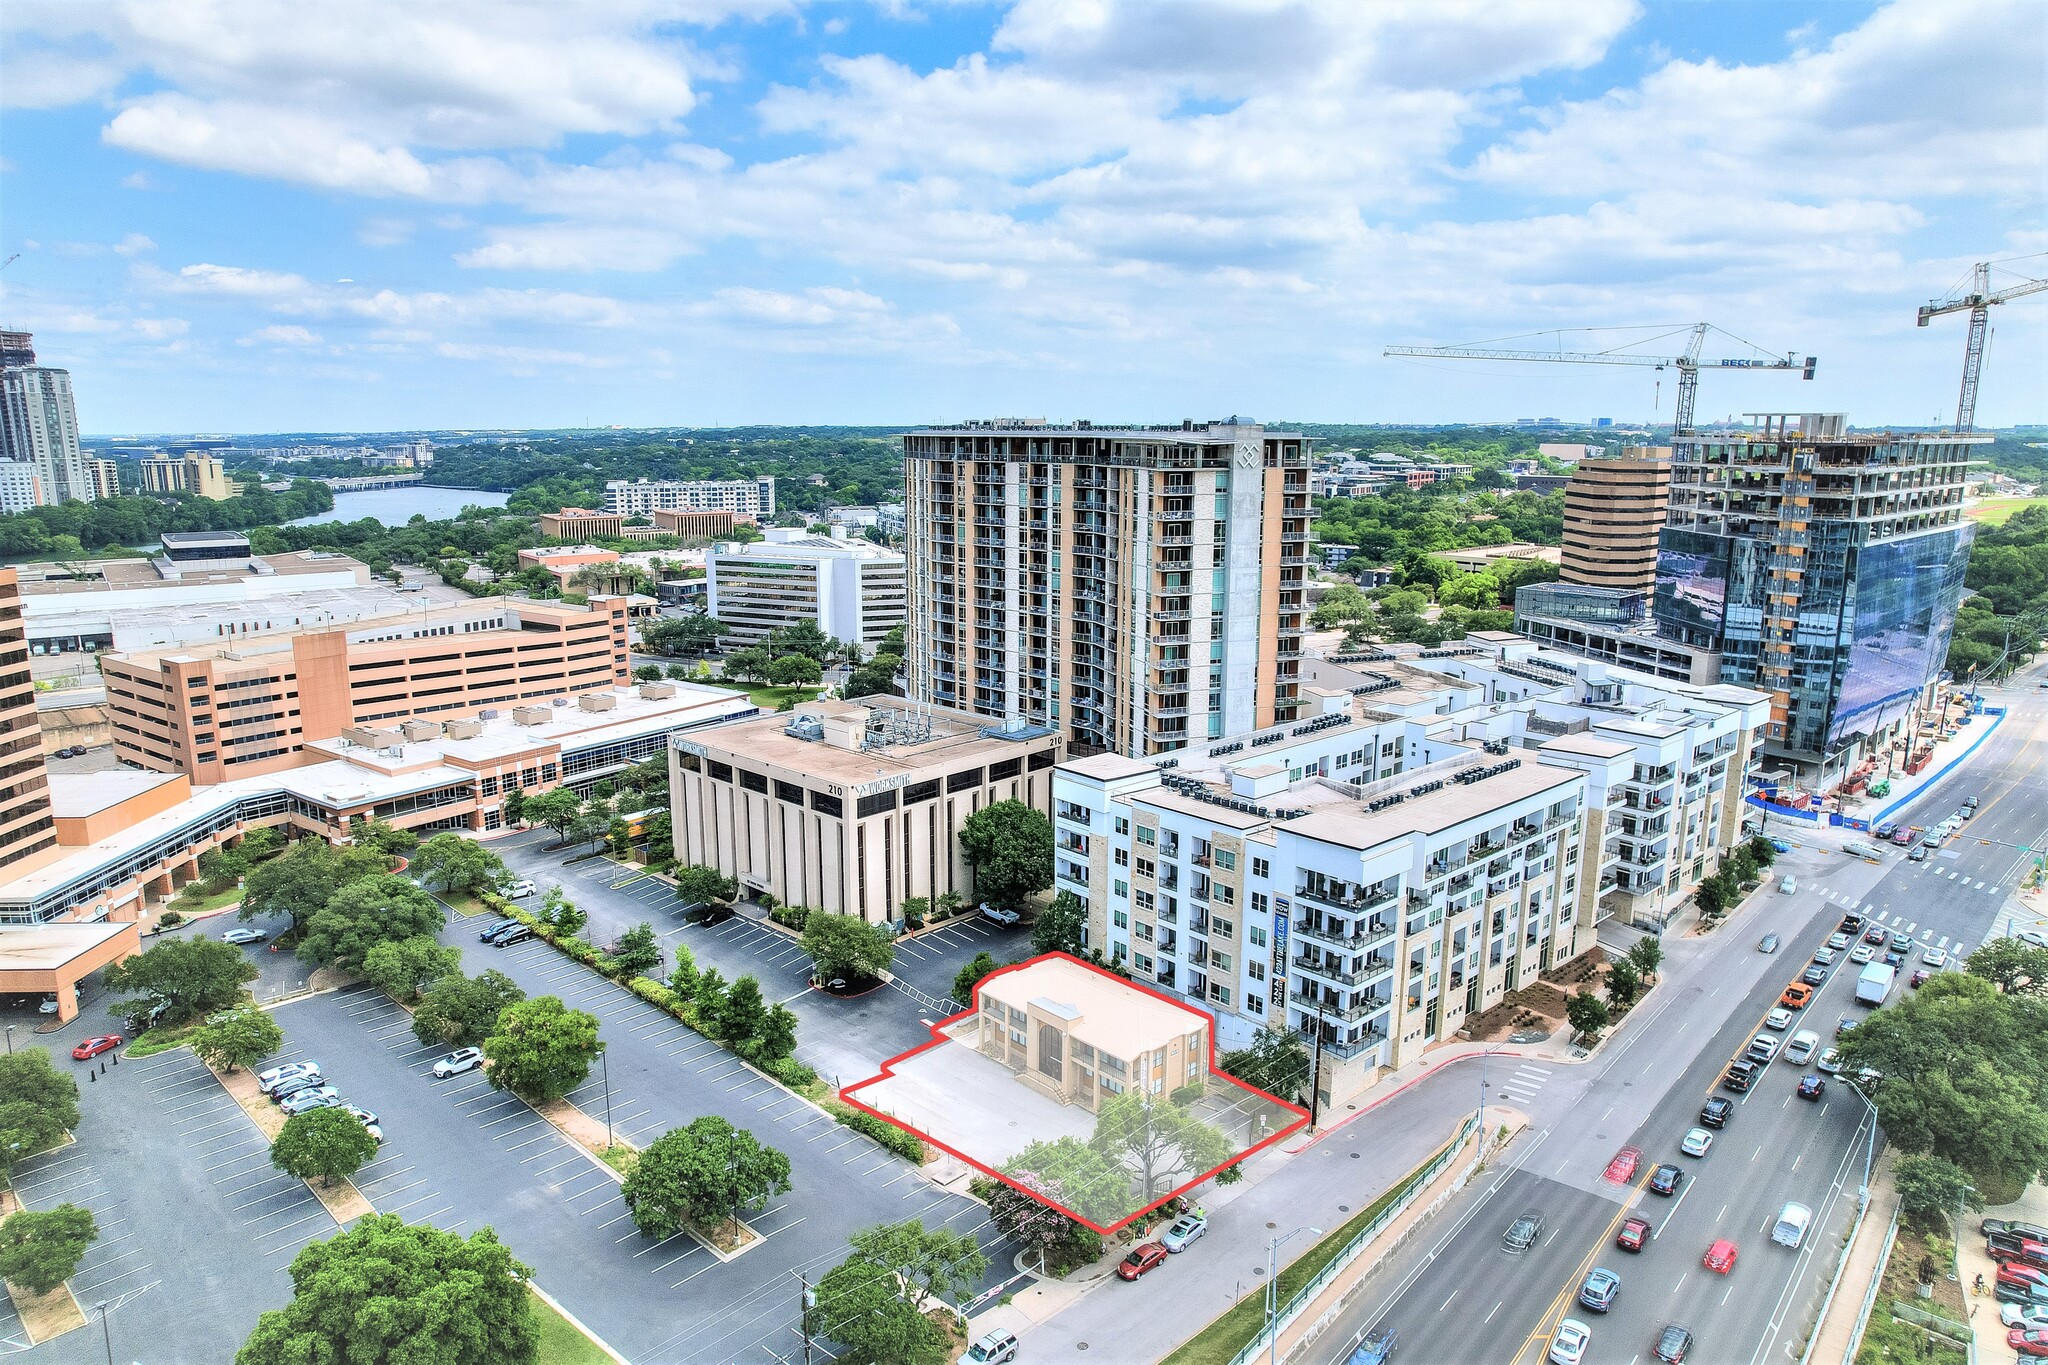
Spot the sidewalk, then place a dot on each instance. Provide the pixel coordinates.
(1860, 1268)
(1972, 1260)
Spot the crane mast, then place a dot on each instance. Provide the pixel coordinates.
(1977, 302)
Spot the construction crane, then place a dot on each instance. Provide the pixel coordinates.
(1687, 362)
(1978, 301)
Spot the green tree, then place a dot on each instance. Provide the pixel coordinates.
(458, 864)
(647, 673)
(39, 1250)
(2015, 967)
(805, 638)
(1587, 1014)
(1624, 982)
(560, 914)
(1087, 1181)
(742, 1012)
(237, 1037)
(384, 838)
(682, 977)
(322, 1144)
(684, 635)
(386, 1290)
(795, 670)
(710, 996)
(588, 826)
(514, 806)
(260, 843)
(846, 946)
(1277, 1062)
(1646, 955)
(541, 1049)
(38, 1105)
(1009, 846)
(1059, 1241)
(1473, 591)
(873, 678)
(1711, 898)
(1932, 1189)
(700, 885)
(773, 1039)
(462, 1011)
(1159, 1144)
(365, 913)
(404, 968)
(1060, 928)
(969, 976)
(221, 868)
(862, 1311)
(302, 879)
(638, 951)
(557, 810)
(178, 980)
(1762, 852)
(928, 1263)
(703, 1173)
(1340, 605)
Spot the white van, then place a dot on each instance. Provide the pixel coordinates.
(1801, 1047)
(1791, 1228)
(519, 890)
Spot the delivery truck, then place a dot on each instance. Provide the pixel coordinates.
(1875, 983)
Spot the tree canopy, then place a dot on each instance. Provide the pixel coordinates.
(1277, 1062)
(322, 1144)
(541, 1049)
(302, 879)
(404, 968)
(847, 946)
(40, 1249)
(38, 1104)
(462, 1011)
(1160, 1144)
(703, 1173)
(178, 980)
(1060, 928)
(458, 864)
(365, 913)
(236, 1037)
(1009, 845)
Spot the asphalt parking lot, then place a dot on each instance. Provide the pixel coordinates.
(661, 1076)
(196, 1228)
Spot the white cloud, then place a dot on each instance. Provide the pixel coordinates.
(134, 244)
(161, 329)
(281, 334)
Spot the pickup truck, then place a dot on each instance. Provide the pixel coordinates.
(1875, 983)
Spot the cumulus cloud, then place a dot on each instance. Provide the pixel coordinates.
(281, 334)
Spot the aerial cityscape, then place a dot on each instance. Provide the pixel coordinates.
(740, 682)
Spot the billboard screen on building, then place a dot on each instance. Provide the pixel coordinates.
(1692, 584)
(1901, 612)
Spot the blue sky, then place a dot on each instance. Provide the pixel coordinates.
(250, 215)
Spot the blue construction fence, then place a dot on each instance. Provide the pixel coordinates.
(1761, 798)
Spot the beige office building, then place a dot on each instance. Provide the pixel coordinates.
(1134, 588)
(1079, 1036)
(1613, 508)
(104, 478)
(849, 808)
(199, 474)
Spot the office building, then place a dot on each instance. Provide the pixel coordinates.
(1613, 626)
(39, 423)
(198, 474)
(1134, 588)
(1613, 509)
(707, 524)
(1825, 566)
(25, 823)
(253, 705)
(104, 476)
(21, 487)
(853, 590)
(1078, 1036)
(580, 523)
(644, 497)
(846, 807)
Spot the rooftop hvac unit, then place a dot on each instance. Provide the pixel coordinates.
(561, 701)
(488, 713)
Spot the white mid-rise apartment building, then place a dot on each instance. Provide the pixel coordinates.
(1425, 843)
(644, 497)
(21, 487)
(39, 427)
(853, 590)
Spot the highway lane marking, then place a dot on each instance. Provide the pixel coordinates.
(1447, 1302)
(1722, 1214)
(1496, 1309)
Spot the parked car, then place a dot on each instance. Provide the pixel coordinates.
(1599, 1289)
(461, 1060)
(93, 1047)
(495, 928)
(1801, 1049)
(1904, 838)
(1741, 1076)
(1374, 1346)
(368, 1120)
(1523, 1232)
(1186, 1230)
(1814, 975)
(1838, 941)
(1874, 934)
(1992, 1226)
(314, 1097)
(520, 890)
(1779, 1019)
(1790, 1229)
(2028, 1343)
(1862, 953)
(1936, 958)
(1830, 1061)
(1764, 1047)
(245, 935)
(2017, 1283)
(1885, 829)
(1823, 957)
(999, 915)
(1622, 1168)
(1674, 1344)
(2018, 1248)
(292, 1085)
(1720, 1257)
(267, 1081)
(1812, 1087)
(991, 1348)
(47, 1005)
(1716, 1112)
(2022, 1315)
(1569, 1342)
(1665, 1179)
(1634, 1233)
(1698, 1142)
(512, 936)
(1141, 1260)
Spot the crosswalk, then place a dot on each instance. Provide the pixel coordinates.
(1893, 919)
(1521, 1087)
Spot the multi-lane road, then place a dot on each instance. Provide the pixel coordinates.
(1459, 1297)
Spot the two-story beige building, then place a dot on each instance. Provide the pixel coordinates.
(1078, 1035)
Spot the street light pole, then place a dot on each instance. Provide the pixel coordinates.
(106, 1334)
(604, 1059)
(1869, 1147)
(1273, 1290)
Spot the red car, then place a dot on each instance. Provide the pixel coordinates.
(1720, 1257)
(1622, 1169)
(2028, 1341)
(1634, 1232)
(93, 1047)
(2018, 1283)
(1141, 1260)
(1919, 978)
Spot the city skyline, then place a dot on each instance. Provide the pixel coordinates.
(236, 218)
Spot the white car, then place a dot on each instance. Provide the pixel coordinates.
(1697, 1142)
(2037, 937)
(1936, 958)
(318, 1097)
(368, 1120)
(1824, 956)
(1862, 954)
(1779, 1019)
(1764, 1048)
(2033, 1316)
(1830, 1062)
(268, 1081)
(1568, 1344)
(455, 1063)
(244, 936)
(519, 890)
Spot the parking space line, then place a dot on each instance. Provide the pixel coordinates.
(289, 1226)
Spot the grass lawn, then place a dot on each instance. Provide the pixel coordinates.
(767, 698)
(189, 907)
(1222, 1339)
(1992, 511)
(561, 1343)
(461, 902)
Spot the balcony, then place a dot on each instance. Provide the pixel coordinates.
(1363, 939)
(1327, 969)
(1350, 905)
(1332, 1011)
(1366, 1041)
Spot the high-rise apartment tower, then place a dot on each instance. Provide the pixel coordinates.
(38, 422)
(1137, 588)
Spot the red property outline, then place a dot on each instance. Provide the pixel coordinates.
(939, 1040)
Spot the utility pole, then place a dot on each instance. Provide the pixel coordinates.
(806, 1301)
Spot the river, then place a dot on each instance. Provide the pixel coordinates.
(397, 506)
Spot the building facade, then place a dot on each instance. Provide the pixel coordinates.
(26, 827)
(21, 487)
(39, 427)
(1825, 566)
(644, 497)
(1134, 588)
(200, 475)
(848, 808)
(853, 590)
(252, 707)
(1080, 1036)
(703, 524)
(1613, 509)
(579, 523)
(104, 476)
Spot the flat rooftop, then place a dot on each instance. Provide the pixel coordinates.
(956, 740)
(1200, 433)
(79, 794)
(121, 575)
(46, 947)
(1349, 823)
(1107, 1014)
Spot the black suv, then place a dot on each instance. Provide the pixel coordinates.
(1741, 1076)
(1716, 1111)
(1852, 923)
